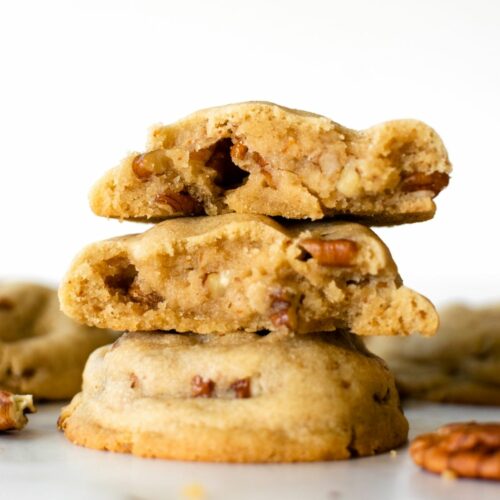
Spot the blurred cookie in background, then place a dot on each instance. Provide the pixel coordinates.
(460, 364)
(42, 352)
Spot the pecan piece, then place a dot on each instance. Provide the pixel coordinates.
(6, 304)
(147, 164)
(283, 312)
(238, 151)
(13, 409)
(241, 388)
(334, 253)
(263, 170)
(466, 449)
(268, 177)
(134, 380)
(202, 388)
(259, 160)
(418, 181)
(181, 202)
(150, 299)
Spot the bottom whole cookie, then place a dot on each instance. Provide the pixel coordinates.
(236, 398)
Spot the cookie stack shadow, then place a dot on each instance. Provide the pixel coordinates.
(242, 332)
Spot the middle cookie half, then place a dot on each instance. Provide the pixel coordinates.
(244, 272)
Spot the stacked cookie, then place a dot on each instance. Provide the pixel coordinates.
(241, 340)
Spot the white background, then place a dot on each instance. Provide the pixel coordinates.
(81, 82)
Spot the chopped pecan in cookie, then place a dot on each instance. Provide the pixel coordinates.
(241, 388)
(181, 202)
(334, 253)
(419, 181)
(150, 299)
(202, 388)
(134, 381)
(6, 304)
(283, 312)
(147, 164)
(238, 151)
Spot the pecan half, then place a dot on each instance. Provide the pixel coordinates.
(334, 253)
(418, 181)
(13, 409)
(181, 202)
(202, 388)
(466, 449)
(241, 388)
(153, 162)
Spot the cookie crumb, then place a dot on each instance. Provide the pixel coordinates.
(13, 410)
(393, 453)
(193, 491)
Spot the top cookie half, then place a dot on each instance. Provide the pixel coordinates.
(261, 158)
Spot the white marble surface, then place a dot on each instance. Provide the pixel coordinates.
(39, 463)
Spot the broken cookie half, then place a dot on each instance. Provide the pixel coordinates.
(244, 273)
(262, 158)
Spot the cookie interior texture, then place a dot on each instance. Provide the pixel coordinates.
(460, 364)
(262, 158)
(42, 351)
(244, 272)
(236, 398)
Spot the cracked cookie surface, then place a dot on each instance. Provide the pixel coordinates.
(460, 364)
(262, 158)
(42, 352)
(236, 398)
(244, 272)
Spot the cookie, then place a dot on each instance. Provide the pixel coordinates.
(236, 398)
(244, 272)
(13, 409)
(260, 158)
(42, 352)
(461, 364)
(464, 449)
